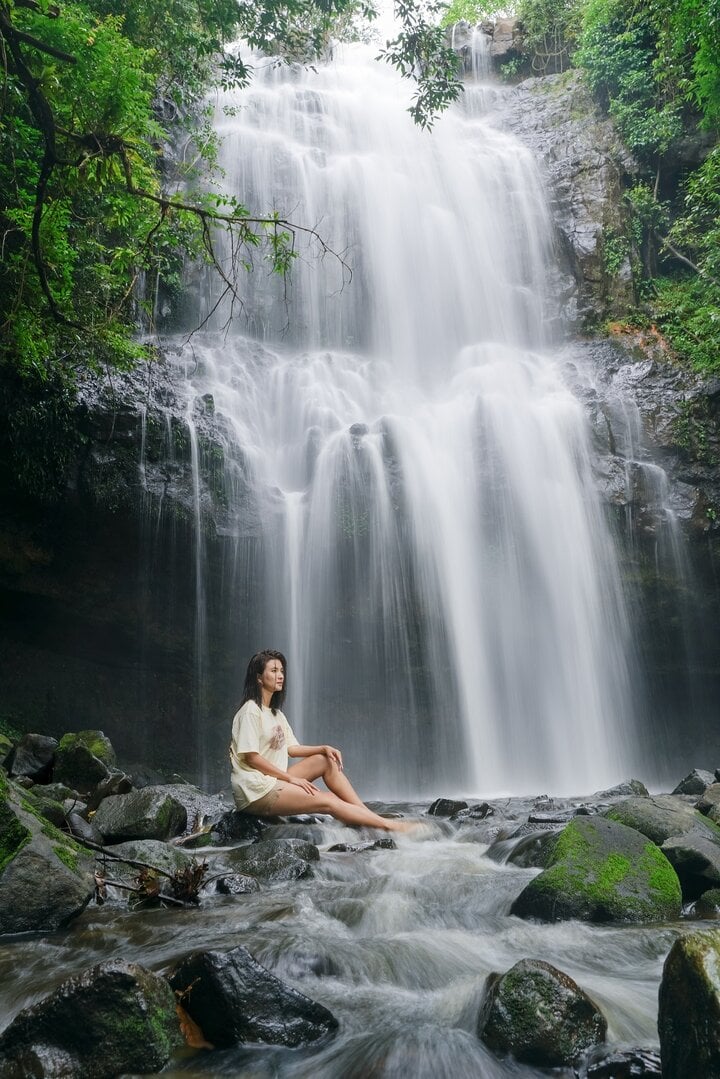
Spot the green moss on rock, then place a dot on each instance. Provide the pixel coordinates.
(602, 871)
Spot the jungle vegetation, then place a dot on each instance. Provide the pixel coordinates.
(654, 66)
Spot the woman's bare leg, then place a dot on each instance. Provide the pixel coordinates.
(320, 767)
(293, 800)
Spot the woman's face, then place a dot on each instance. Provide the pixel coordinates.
(273, 677)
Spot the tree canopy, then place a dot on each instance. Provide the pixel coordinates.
(91, 205)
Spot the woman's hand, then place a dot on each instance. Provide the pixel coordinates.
(304, 784)
(333, 755)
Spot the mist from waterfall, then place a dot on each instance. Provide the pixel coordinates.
(426, 543)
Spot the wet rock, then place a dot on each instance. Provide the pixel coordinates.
(689, 1013)
(152, 852)
(659, 817)
(33, 756)
(113, 1019)
(587, 167)
(202, 809)
(47, 808)
(539, 1015)
(45, 879)
(58, 792)
(237, 884)
(234, 999)
(83, 759)
(150, 813)
(532, 850)
(709, 800)
(557, 816)
(308, 833)
(234, 827)
(621, 1064)
(628, 789)
(446, 807)
(696, 782)
(601, 871)
(116, 783)
(83, 830)
(696, 860)
(386, 843)
(279, 859)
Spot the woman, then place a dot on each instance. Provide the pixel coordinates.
(262, 740)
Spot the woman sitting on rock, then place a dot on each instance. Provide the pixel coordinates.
(262, 741)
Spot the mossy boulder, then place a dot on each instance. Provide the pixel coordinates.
(110, 1020)
(45, 877)
(601, 871)
(539, 1015)
(150, 813)
(660, 817)
(689, 1013)
(83, 759)
(689, 840)
(234, 999)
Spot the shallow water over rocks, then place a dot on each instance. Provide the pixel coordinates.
(396, 943)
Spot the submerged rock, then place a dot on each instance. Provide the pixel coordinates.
(150, 813)
(234, 999)
(601, 871)
(539, 1015)
(45, 879)
(113, 1019)
(689, 1014)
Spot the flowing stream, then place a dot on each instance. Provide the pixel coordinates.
(397, 943)
(433, 557)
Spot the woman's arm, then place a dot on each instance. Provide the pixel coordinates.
(260, 764)
(330, 752)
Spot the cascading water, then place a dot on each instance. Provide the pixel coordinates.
(432, 557)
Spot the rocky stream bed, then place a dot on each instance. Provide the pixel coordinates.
(148, 926)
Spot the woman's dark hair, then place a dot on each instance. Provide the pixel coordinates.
(256, 666)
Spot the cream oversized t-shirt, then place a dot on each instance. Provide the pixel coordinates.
(257, 730)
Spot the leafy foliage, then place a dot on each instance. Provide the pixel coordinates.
(90, 208)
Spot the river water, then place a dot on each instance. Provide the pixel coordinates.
(427, 544)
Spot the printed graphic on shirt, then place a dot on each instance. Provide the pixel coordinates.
(277, 741)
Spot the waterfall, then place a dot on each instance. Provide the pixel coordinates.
(427, 545)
